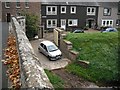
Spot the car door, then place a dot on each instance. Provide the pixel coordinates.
(41, 47)
(45, 50)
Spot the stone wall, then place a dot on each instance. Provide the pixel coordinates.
(66, 48)
(32, 74)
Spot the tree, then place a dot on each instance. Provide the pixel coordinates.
(32, 23)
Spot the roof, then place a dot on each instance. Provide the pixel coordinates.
(47, 43)
(102, 4)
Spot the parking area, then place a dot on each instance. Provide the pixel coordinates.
(45, 62)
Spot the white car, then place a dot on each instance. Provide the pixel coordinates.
(50, 50)
(109, 30)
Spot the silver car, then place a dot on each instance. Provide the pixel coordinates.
(109, 30)
(49, 49)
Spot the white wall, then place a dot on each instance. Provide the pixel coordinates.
(113, 16)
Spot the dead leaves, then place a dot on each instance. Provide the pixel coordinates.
(12, 61)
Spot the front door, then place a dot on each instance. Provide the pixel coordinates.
(90, 23)
(63, 23)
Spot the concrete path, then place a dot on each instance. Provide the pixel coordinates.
(45, 62)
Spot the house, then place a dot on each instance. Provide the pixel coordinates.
(69, 15)
(108, 14)
(17, 8)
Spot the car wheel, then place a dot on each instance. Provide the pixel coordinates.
(39, 50)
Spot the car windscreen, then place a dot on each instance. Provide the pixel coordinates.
(52, 48)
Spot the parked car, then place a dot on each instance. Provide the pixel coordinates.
(78, 31)
(49, 49)
(109, 30)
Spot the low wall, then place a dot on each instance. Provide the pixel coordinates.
(32, 74)
(66, 48)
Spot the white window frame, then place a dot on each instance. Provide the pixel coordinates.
(17, 5)
(64, 8)
(52, 26)
(107, 20)
(106, 13)
(91, 13)
(27, 3)
(74, 22)
(6, 5)
(73, 12)
(51, 12)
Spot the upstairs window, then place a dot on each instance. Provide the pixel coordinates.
(51, 10)
(27, 4)
(107, 12)
(63, 9)
(18, 4)
(91, 10)
(119, 7)
(73, 9)
(7, 4)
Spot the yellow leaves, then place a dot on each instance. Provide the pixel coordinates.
(12, 60)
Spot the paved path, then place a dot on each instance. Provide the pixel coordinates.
(45, 62)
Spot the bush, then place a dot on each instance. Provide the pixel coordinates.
(31, 25)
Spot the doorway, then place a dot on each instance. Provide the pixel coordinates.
(8, 17)
(63, 23)
(90, 23)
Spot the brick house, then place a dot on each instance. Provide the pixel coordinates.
(16, 8)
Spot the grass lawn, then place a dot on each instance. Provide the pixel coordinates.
(56, 81)
(101, 50)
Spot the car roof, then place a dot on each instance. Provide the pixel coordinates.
(47, 43)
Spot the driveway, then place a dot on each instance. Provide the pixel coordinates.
(45, 62)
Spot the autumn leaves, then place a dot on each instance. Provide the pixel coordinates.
(12, 62)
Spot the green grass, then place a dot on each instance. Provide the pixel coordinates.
(101, 50)
(56, 81)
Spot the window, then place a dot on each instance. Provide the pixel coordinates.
(51, 23)
(51, 10)
(72, 22)
(73, 9)
(107, 23)
(118, 22)
(7, 4)
(17, 4)
(63, 9)
(119, 7)
(107, 12)
(91, 10)
(27, 4)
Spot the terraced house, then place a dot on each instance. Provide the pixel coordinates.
(71, 15)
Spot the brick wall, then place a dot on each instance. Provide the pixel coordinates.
(34, 7)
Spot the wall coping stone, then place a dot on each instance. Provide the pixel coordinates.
(34, 73)
(67, 42)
